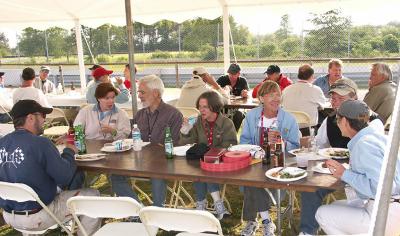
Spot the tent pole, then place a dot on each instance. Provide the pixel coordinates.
(384, 190)
(79, 48)
(225, 30)
(129, 32)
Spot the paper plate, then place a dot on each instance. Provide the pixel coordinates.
(334, 153)
(90, 157)
(112, 149)
(296, 172)
(181, 150)
(318, 168)
(298, 150)
(255, 150)
(129, 142)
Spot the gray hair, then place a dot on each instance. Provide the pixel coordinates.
(384, 70)
(153, 82)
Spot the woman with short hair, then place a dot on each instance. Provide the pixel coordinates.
(215, 130)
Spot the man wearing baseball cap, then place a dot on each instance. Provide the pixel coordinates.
(33, 160)
(42, 82)
(273, 73)
(102, 75)
(329, 135)
(367, 148)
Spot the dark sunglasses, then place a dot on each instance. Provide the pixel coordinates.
(40, 114)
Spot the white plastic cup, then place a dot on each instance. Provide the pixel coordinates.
(137, 145)
(302, 159)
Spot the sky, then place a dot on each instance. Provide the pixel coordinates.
(266, 19)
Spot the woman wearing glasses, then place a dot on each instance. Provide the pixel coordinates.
(269, 116)
(215, 130)
(103, 120)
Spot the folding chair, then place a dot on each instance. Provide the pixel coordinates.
(188, 111)
(302, 119)
(108, 207)
(23, 193)
(192, 222)
(56, 129)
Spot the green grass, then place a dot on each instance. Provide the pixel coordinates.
(231, 225)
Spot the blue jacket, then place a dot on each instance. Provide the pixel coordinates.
(367, 149)
(122, 97)
(34, 161)
(287, 126)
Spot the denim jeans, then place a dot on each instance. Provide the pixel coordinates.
(309, 206)
(201, 189)
(159, 190)
(122, 187)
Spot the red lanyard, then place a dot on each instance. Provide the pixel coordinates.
(262, 129)
(210, 134)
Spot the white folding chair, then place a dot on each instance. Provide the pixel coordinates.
(188, 111)
(302, 119)
(108, 207)
(55, 129)
(23, 193)
(192, 222)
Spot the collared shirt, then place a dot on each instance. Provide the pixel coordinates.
(153, 124)
(46, 86)
(380, 99)
(323, 83)
(367, 149)
(240, 85)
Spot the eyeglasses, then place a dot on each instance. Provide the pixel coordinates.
(40, 114)
(342, 86)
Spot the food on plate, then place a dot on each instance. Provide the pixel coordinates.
(297, 151)
(286, 175)
(338, 153)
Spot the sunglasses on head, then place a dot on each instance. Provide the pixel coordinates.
(341, 86)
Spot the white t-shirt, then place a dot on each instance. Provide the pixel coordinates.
(305, 97)
(269, 122)
(32, 94)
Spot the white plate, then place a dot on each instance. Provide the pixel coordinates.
(255, 150)
(181, 150)
(326, 153)
(90, 157)
(318, 168)
(129, 142)
(296, 151)
(290, 170)
(112, 149)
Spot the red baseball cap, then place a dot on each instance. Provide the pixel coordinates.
(97, 73)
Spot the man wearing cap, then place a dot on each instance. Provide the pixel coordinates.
(273, 73)
(367, 149)
(28, 158)
(334, 73)
(329, 135)
(304, 96)
(101, 75)
(27, 91)
(201, 82)
(42, 81)
(381, 94)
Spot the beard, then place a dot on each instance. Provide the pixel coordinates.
(38, 127)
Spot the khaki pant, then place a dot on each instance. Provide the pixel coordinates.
(42, 220)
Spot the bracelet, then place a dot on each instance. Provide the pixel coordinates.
(114, 133)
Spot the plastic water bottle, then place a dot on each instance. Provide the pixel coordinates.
(169, 146)
(59, 88)
(137, 138)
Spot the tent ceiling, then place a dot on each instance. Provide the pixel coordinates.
(41, 14)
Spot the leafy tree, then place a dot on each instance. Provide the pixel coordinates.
(56, 41)
(32, 42)
(291, 46)
(285, 30)
(391, 43)
(4, 47)
(267, 49)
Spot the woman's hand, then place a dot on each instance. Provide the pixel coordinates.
(274, 136)
(106, 129)
(186, 127)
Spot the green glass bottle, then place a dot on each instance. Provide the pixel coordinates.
(80, 139)
(168, 144)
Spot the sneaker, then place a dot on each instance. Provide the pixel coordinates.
(268, 228)
(201, 205)
(220, 209)
(250, 229)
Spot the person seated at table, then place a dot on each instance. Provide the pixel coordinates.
(27, 91)
(235, 85)
(42, 82)
(381, 93)
(273, 73)
(104, 120)
(367, 149)
(127, 75)
(101, 75)
(152, 120)
(329, 135)
(5, 103)
(37, 163)
(201, 82)
(334, 73)
(215, 130)
(304, 96)
(281, 123)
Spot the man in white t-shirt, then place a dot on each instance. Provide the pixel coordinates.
(27, 91)
(304, 96)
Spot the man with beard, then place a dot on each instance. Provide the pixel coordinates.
(152, 121)
(27, 158)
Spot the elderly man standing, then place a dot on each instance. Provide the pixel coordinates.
(334, 73)
(304, 96)
(381, 95)
(273, 73)
(33, 160)
(152, 121)
(42, 82)
(367, 148)
(201, 82)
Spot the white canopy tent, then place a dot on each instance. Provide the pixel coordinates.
(42, 14)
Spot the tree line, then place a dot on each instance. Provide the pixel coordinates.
(332, 35)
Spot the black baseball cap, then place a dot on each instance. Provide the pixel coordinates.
(234, 68)
(25, 107)
(272, 69)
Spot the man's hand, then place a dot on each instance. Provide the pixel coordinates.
(244, 93)
(119, 80)
(335, 168)
(68, 145)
